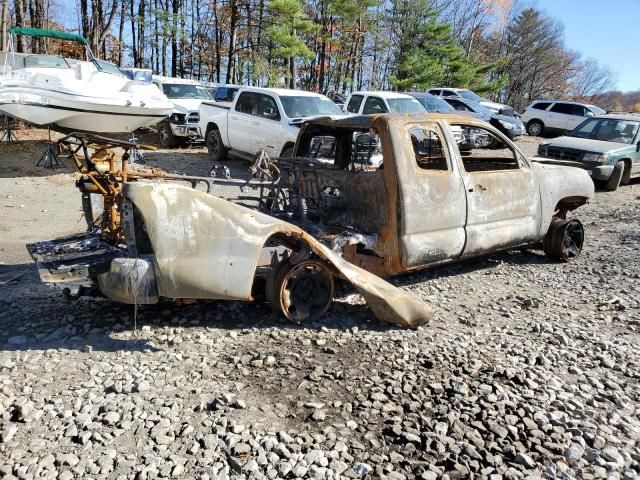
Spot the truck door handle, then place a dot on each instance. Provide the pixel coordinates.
(233, 117)
(480, 188)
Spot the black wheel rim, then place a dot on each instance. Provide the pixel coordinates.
(572, 239)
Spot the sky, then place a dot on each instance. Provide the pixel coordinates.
(605, 30)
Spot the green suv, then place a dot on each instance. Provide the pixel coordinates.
(607, 146)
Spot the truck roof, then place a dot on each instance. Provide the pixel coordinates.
(282, 92)
(367, 121)
(382, 94)
(175, 80)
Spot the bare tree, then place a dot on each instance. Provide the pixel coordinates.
(96, 22)
(591, 79)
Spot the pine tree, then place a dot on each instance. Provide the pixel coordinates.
(429, 55)
(289, 22)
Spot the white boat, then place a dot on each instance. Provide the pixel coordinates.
(89, 96)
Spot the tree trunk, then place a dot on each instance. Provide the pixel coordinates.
(232, 41)
(163, 50)
(37, 20)
(174, 39)
(123, 9)
(259, 34)
(134, 45)
(182, 41)
(192, 42)
(217, 33)
(142, 7)
(322, 57)
(292, 72)
(19, 7)
(3, 25)
(155, 64)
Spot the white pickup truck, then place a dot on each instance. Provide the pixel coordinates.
(181, 126)
(260, 119)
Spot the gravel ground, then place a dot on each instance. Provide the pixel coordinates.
(530, 370)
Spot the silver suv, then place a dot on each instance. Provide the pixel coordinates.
(556, 116)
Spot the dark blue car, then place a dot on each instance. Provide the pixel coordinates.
(512, 127)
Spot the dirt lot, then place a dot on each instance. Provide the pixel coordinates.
(531, 368)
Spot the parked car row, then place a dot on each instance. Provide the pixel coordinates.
(466, 94)
(269, 119)
(607, 146)
(541, 117)
(245, 120)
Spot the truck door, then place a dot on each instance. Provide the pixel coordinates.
(264, 135)
(503, 197)
(241, 121)
(432, 198)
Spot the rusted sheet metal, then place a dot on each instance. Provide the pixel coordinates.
(207, 247)
(433, 203)
(554, 186)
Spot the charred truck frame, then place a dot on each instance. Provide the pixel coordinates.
(364, 197)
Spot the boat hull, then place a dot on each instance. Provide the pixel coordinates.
(74, 112)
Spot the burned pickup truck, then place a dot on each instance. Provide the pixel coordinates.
(364, 197)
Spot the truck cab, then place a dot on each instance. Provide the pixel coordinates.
(260, 119)
(181, 127)
(409, 198)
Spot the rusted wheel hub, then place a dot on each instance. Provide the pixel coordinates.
(302, 291)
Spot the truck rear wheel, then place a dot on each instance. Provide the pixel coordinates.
(215, 147)
(564, 240)
(302, 291)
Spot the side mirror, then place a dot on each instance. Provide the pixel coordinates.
(270, 113)
(590, 113)
(638, 147)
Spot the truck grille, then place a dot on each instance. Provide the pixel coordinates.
(193, 117)
(558, 153)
